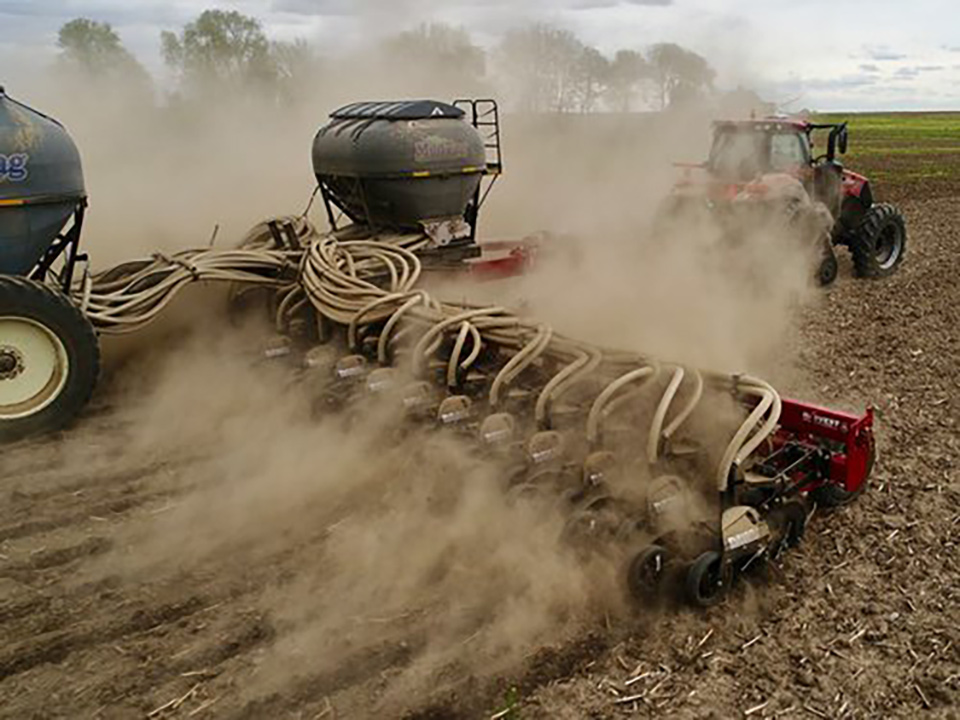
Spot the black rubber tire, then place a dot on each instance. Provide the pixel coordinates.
(580, 526)
(882, 225)
(646, 571)
(20, 297)
(828, 268)
(830, 495)
(705, 583)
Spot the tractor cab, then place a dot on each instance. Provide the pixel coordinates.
(743, 151)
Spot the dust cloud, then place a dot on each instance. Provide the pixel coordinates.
(682, 292)
(364, 535)
(371, 536)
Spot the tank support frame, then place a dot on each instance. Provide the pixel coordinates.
(66, 244)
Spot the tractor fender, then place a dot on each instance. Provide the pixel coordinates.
(855, 185)
(853, 207)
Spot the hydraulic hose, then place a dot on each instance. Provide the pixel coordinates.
(359, 282)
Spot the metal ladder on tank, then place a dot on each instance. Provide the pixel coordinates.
(484, 115)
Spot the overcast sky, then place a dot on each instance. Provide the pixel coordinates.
(826, 54)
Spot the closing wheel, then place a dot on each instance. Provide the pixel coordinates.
(646, 572)
(705, 582)
(49, 358)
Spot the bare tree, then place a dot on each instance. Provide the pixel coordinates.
(681, 74)
(542, 64)
(592, 78)
(627, 71)
(436, 58)
(297, 66)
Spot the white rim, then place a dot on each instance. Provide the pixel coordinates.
(40, 369)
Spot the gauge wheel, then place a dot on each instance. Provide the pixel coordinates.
(49, 359)
(646, 572)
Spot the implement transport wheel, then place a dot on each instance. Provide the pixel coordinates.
(705, 582)
(49, 359)
(879, 242)
(646, 572)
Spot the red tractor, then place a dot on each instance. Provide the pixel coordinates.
(767, 162)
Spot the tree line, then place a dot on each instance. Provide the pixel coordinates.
(537, 68)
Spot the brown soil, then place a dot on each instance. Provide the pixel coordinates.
(861, 621)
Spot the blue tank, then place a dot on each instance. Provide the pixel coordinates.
(41, 184)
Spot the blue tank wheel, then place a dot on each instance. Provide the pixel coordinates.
(49, 359)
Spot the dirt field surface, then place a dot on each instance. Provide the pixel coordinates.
(861, 621)
(904, 152)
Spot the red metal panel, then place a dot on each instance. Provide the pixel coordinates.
(850, 465)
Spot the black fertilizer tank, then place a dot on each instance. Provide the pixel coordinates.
(403, 165)
(41, 184)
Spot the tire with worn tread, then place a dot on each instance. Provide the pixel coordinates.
(879, 243)
(33, 318)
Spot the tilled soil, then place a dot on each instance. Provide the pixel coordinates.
(860, 621)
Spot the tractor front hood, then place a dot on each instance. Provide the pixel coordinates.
(697, 181)
(712, 190)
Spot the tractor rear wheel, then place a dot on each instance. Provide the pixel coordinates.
(49, 359)
(879, 242)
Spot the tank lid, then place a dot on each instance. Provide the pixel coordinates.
(398, 110)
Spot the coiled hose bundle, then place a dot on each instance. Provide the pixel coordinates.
(370, 287)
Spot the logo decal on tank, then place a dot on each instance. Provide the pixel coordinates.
(438, 148)
(14, 167)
